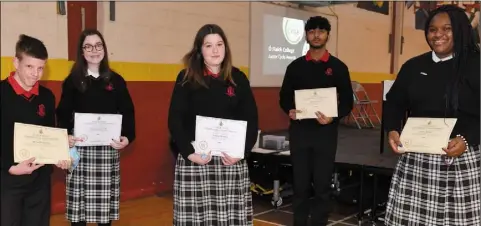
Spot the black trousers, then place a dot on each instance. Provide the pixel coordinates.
(313, 166)
(26, 206)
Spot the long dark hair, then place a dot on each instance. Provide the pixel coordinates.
(464, 46)
(79, 68)
(194, 61)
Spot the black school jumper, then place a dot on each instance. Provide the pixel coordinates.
(93, 188)
(25, 198)
(212, 194)
(313, 145)
(426, 189)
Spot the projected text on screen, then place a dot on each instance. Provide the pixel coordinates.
(277, 38)
(284, 41)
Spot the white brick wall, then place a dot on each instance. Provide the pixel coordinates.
(37, 19)
(362, 38)
(162, 32)
(412, 38)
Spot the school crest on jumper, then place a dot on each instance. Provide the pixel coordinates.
(109, 87)
(230, 91)
(41, 110)
(329, 71)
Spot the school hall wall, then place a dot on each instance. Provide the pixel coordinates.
(146, 44)
(363, 44)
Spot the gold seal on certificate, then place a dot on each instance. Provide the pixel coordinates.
(48, 145)
(309, 101)
(97, 129)
(427, 135)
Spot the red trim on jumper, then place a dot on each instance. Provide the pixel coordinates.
(208, 72)
(324, 57)
(19, 90)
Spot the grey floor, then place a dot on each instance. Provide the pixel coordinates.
(342, 215)
(355, 147)
(363, 147)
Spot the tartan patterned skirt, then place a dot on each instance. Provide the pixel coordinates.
(93, 187)
(213, 194)
(427, 191)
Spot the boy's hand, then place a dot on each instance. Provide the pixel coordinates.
(25, 167)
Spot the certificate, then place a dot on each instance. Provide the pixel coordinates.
(309, 101)
(218, 135)
(427, 135)
(97, 129)
(48, 145)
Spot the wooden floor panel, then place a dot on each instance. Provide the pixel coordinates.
(151, 211)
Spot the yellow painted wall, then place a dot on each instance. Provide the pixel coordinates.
(57, 69)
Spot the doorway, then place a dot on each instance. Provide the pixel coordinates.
(80, 16)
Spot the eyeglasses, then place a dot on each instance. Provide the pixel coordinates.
(90, 48)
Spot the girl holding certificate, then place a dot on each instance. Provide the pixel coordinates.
(430, 189)
(93, 186)
(211, 190)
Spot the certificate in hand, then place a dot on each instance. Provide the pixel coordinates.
(217, 135)
(309, 101)
(97, 129)
(48, 145)
(426, 135)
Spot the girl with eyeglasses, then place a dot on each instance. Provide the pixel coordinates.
(93, 186)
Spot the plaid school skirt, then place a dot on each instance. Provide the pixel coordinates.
(213, 194)
(93, 187)
(425, 190)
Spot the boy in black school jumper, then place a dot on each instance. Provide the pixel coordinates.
(25, 187)
(313, 142)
